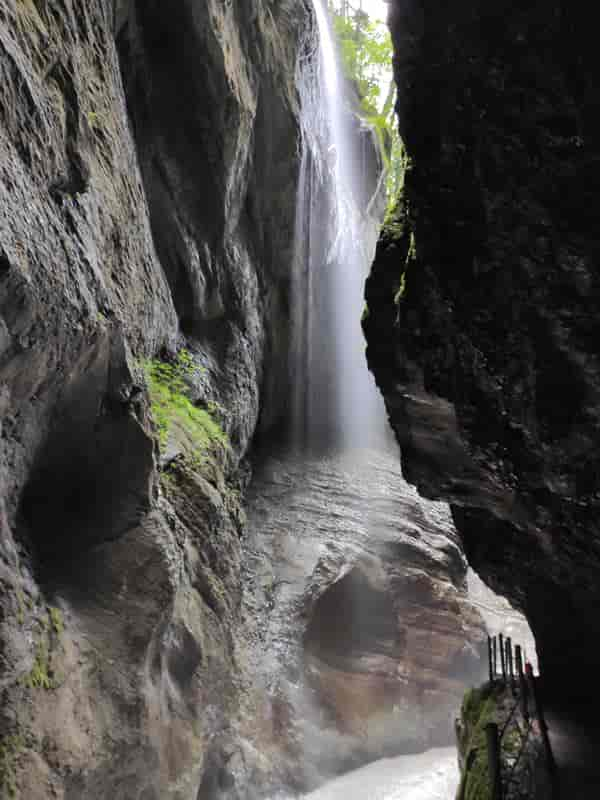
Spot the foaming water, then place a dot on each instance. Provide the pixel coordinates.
(428, 776)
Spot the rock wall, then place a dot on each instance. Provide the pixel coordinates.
(147, 199)
(483, 327)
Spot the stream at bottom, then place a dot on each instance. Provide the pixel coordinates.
(432, 775)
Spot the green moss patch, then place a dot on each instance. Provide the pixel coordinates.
(478, 709)
(42, 674)
(174, 413)
(395, 224)
(39, 676)
(401, 289)
(56, 620)
(10, 748)
(397, 232)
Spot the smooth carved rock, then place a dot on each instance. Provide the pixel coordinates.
(364, 637)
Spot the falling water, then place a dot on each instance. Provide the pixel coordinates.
(336, 404)
(336, 401)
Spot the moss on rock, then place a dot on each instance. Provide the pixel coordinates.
(42, 674)
(174, 413)
(478, 710)
(395, 223)
(521, 748)
(56, 620)
(398, 232)
(10, 748)
(39, 676)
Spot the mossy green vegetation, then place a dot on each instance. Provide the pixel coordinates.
(411, 257)
(56, 620)
(397, 231)
(512, 743)
(401, 289)
(39, 676)
(42, 675)
(173, 411)
(395, 222)
(478, 709)
(94, 119)
(477, 704)
(10, 748)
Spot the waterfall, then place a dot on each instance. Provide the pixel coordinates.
(343, 548)
(336, 404)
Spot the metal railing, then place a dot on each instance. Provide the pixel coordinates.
(506, 668)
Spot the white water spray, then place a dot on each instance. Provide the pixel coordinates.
(427, 776)
(336, 401)
(328, 58)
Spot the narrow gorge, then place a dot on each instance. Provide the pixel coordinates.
(217, 578)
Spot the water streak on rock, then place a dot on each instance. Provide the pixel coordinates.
(340, 203)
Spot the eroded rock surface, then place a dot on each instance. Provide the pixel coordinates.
(483, 326)
(364, 639)
(147, 199)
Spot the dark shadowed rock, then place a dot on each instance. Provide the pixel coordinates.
(483, 326)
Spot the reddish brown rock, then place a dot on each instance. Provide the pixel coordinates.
(363, 628)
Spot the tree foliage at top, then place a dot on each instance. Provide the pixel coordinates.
(365, 49)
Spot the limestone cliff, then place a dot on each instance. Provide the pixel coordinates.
(146, 210)
(483, 325)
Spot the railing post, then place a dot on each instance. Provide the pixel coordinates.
(509, 662)
(502, 656)
(522, 683)
(495, 649)
(519, 660)
(493, 751)
(490, 660)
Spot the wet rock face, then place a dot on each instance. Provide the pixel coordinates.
(135, 218)
(487, 350)
(212, 99)
(363, 635)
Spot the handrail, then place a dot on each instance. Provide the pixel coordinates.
(524, 690)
